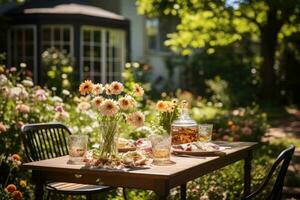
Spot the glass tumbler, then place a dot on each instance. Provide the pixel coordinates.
(205, 132)
(161, 149)
(77, 146)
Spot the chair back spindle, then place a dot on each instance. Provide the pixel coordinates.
(45, 141)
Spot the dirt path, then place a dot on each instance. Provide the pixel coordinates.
(289, 127)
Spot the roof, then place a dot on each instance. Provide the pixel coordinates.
(63, 7)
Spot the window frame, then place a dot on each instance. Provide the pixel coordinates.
(61, 43)
(34, 44)
(105, 67)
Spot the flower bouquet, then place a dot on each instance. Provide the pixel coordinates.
(113, 105)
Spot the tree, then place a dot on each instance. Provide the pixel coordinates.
(211, 23)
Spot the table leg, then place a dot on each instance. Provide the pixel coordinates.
(39, 185)
(162, 190)
(247, 173)
(183, 191)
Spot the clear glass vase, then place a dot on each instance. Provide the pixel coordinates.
(109, 136)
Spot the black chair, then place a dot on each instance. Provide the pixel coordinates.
(284, 157)
(45, 141)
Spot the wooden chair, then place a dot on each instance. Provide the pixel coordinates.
(284, 159)
(45, 141)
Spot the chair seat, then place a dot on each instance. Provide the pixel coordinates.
(75, 188)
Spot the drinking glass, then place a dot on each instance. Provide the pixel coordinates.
(161, 149)
(77, 146)
(205, 132)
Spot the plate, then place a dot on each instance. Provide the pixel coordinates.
(198, 153)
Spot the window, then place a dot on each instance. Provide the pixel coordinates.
(21, 44)
(157, 30)
(102, 54)
(57, 36)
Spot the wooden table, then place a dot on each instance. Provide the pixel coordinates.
(160, 179)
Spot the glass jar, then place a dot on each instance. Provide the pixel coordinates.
(184, 129)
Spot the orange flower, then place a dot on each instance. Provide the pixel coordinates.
(15, 157)
(138, 90)
(96, 102)
(86, 87)
(109, 107)
(17, 195)
(11, 188)
(234, 128)
(116, 88)
(22, 108)
(136, 119)
(23, 183)
(97, 89)
(125, 103)
(162, 106)
(230, 123)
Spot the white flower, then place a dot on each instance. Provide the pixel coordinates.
(235, 112)
(23, 65)
(3, 80)
(87, 129)
(15, 92)
(83, 106)
(66, 92)
(61, 115)
(136, 119)
(27, 83)
(95, 124)
(57, 99)
(23, 94)
(109, 107)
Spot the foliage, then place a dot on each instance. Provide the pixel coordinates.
(206, 25)
(59, 68)
(219, 23)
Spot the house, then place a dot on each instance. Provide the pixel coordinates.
(101, 35)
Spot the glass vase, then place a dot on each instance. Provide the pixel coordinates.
(109, 139)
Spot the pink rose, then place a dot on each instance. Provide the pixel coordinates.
(59, 109)
(13, 69)
(40, 94)
(247, 131)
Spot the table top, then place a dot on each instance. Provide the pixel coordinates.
(237, 151)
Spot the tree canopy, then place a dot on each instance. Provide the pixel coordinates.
(211, 23)
(219, 23)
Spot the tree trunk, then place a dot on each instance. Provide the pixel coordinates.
(269, 33)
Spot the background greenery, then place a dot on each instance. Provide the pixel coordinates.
(235, 57)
